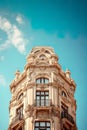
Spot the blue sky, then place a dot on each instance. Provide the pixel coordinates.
(57, 23)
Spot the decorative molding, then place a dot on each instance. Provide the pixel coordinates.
(37, 67)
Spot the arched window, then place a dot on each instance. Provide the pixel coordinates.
(36, 51)
(47, 52)
(20, 96)
(42, 57)
(64, 94)
(42, 80)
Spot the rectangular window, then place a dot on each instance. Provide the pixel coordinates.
(19, 112)
(42, 98)
(42, 125)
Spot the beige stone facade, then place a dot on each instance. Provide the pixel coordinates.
(42, 95)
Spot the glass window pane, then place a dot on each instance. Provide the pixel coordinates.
(36, 128)
(37, 124)
(48, 129)
(46, 80)
(42, 93)
(48, 123)
(38, 97)
(38, 102)
(46, 93)
(38, 81)
(42, 97)
(42, 123)
(37, 93)
(46, 103)
(42, 81)
(42, 102)
(46, 97)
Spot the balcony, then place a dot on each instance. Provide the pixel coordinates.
(67, 116)
(43, 102)
(17, 122)
(17, 118)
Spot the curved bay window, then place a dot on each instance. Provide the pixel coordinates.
(42, 80)
(42, 125)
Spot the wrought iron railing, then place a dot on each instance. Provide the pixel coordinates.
(17, 118)
(67, 116)
(42, 102)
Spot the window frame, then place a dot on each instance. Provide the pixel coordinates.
(42, 80)
(42, 98)
(19, 112)
(63, 93)
(42, 57)
(42, 127)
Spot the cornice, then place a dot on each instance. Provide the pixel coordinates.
(16, 82)
(56, 65)
(32, 110)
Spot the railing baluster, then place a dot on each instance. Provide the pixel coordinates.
(43, 102)
(67, 116)
(17, 117)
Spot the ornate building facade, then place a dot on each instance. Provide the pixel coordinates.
(42, 95)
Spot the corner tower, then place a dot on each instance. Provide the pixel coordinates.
(42, 95)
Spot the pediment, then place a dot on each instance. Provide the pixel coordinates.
(42, 63)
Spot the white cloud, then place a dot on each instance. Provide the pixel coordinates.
(15, 36)
(2, 80)
(19, 19)
(1, 58)
(5, 45)
(5, 24)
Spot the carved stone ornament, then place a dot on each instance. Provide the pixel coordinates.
(60, 82)
(65, 99)
(42, 68)
(30, 110)
(56, 112)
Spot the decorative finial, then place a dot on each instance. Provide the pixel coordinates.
(67, 73)
(17, 73)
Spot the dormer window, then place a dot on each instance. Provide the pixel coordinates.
(42, 80)
(64, 94)
(20, 96)
(47, 52)
(42, 57)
